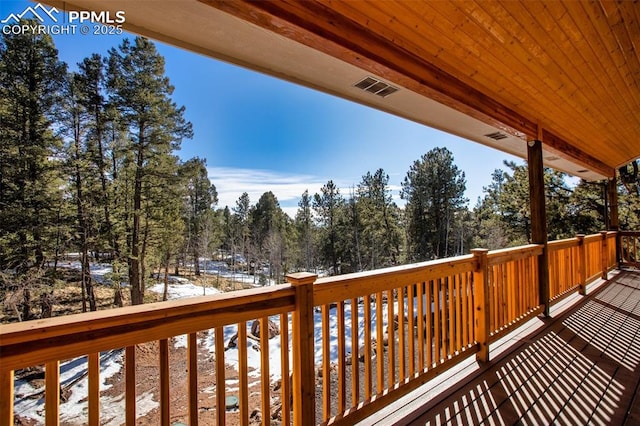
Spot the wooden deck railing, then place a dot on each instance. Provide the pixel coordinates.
(369, 337)
(47, 342)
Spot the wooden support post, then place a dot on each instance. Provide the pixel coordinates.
(614, 220)
(6, 402)
(604, 255)
(481, 297)
(582, 262)
(539, 218)
(304, 383)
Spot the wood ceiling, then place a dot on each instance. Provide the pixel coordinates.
(567, 72)
(564, 72)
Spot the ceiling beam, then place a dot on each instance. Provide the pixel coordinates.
(560, 146)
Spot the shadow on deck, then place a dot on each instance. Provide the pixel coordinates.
(582, 368)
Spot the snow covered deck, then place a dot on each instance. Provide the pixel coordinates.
(581, 367)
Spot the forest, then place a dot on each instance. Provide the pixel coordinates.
(89, 165)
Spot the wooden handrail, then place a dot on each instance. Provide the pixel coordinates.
(456, 308)
(343, 287)
(37, 342)
(512, 254)
(563, 244)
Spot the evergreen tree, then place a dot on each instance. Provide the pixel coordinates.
(201, 198)
(434, 189)
(381, 233)
(74, 120)
(305, 232)
(267, 224)
(241, 225)
(155, 126)
(328, 206)
(31, 81)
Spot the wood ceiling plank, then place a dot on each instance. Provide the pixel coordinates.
(602, 105)
(469, 45)
(568, 38)
(614, 54)
(555, 112)
(552, 74)
(447, 51)
(621, 30)
(614, 61)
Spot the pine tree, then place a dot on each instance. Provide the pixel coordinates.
(328, 206)
(305, 232)
(201, 197)
(434, 189)
(381, 234)
(156, 126)
(31, 80)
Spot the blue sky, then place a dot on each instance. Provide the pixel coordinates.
(260, 134)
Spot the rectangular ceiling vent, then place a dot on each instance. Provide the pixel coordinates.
(375, 86)
(497, 136)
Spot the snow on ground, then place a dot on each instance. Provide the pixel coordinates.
(75, 410)
(29, 401)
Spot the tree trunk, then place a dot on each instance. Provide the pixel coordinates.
(165, 293)
(135, 282)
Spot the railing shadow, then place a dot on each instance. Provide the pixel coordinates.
(581, 369)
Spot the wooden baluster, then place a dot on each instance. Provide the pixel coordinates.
(304, 388)
(420, 318)
(379, 344)
(480, 287)
(221, 403)
(6, 402)
(164, 382)
(464, 290)
(444, 329)
(284, 357)
(458, 310)
(402, 353)
(192, 378)
(391, 339)
(429, 322)
(243, 374)
(368, 385)
(130, 385)
(411, 331)
(326, 365)
(355, 342)
(582, 262)
(52, 393)
(451, 317)
(264, 371)
(93, 394)
(342, 355)
(436, 322)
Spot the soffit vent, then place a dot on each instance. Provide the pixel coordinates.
(375, 86)
(497, 136)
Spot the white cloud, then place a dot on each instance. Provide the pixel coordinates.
(287, 187)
